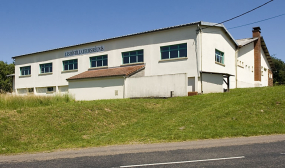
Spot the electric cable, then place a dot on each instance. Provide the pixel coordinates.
(239, 15)
(257, 21)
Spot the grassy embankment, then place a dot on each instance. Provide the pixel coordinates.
(30, 124)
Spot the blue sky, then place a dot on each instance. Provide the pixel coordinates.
(36, 25)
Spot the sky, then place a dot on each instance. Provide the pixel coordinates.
(36, 25)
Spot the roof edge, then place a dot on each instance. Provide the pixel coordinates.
(117, 37)
(222, 26)
(266, 52)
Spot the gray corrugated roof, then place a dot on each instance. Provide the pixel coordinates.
(182, 25)
(245, 41)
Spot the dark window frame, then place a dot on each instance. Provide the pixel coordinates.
(102, 60)
(173, 51)
(132, 57)
(219, 56)
(71, 65)
(46, 68)
(25, 71)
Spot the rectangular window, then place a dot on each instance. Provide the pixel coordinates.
(31, 90)
(70, 65)
(50, 89)
(46, 68)
(25, 70)
(132, 57)
(99, 61)
(173, 51)
(219, 57)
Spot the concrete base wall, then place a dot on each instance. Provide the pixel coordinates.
(157, 86)
(94, 89)
(212, 83)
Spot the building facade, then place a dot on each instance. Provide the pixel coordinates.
(198, 57)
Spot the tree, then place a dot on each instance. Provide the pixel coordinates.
(279, 72)
(6, 83)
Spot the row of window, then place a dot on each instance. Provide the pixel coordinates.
(167, 52)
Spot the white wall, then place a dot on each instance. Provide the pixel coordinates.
(212, 83)
(216, 38)
(157, 86)
(149, 42)
(93, 89)
(264, 69)
(245, 69)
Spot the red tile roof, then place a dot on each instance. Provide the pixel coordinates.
(118, 71)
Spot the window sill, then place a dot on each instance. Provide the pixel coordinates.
(220, 63)
(24, 76)
(173, 59)
(102, 67)
(42, 74)
(67, 71)
(49, 92)
(137, 63)
(240, 66)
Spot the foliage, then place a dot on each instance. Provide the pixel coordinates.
(6, 83)
(279, 72)
(8, 101)
(49, 123)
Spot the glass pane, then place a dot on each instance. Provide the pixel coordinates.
(105, 62)
(70, 66)
(164, 48)
(92, 58)
(125, 60)
(105, 57)
(65, 67)
(165, 55)
(140, 52)
(174, 54)
(75, 65)
(183, 53)
(133, 59)
(140, 58)
(183, 46)
(50, 69)
(46, 69)
(99, 63)
(126, 54)
(99, 58)
(42, 70)
(133, 53)
(93, 64)
(175, 47)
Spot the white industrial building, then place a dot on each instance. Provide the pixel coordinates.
(199, 57)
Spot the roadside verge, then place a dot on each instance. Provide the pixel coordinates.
(121, 149)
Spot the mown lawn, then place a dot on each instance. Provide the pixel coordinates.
(33, 124)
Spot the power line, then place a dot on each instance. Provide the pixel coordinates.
(240, 14)
(257, 21)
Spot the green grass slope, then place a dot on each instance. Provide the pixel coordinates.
(31, 124)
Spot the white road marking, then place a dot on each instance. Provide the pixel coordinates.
(282, 153)
(191, 161)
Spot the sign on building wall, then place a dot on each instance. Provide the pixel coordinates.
(84, 51)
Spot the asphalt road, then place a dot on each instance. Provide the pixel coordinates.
(246, 153)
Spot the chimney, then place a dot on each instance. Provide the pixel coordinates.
(257, 54)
